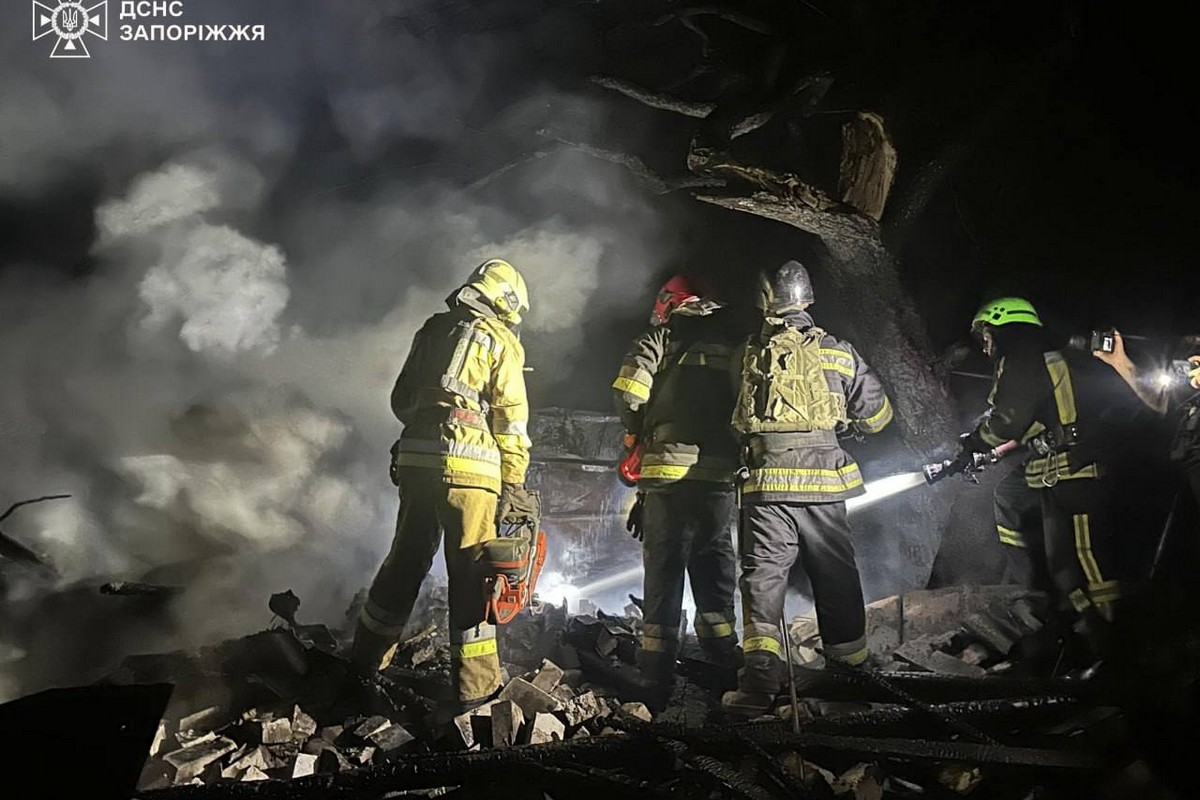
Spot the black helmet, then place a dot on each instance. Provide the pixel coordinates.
(784, 288)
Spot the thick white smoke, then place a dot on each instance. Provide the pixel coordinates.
(212, 386)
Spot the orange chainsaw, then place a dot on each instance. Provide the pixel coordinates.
(515, 557)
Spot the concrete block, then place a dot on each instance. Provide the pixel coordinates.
(919, 651)
(254, 774)
(949, 665)
(282, 755)
(189, 738)
(371, 726)
(546, 728)
(276, 731)
(885, 620)
(531, 699)
(507, 720)
(975, 654)
(330, 761)
(305, 765)
(638, 710)
(331, 733)
(160, 740)
(392, 739)
(258, 757)
(303, 726)
(189, 762)
(584, 707)
(462, 726)
(931, 611)
(548, 676)
(998, 636)
(202, 721)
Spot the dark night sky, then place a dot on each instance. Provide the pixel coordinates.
(1076, 190)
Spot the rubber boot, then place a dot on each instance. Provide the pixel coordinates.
(368, 650)
(747, 704)
(655, 680)
(759, 682)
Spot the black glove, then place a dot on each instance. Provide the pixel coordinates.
(517, 504)
(633, 523)
(393, 470)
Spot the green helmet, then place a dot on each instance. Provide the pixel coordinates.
(1005, 310)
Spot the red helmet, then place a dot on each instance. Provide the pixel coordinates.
(681, 291)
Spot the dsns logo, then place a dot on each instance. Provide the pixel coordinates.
(72, 24)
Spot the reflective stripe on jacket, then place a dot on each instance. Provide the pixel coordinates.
(810, 466)
(461, 397)
(673, 391)
(1037, 393)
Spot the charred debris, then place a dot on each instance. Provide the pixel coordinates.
(962, 698)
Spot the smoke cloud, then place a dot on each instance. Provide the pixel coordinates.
(271, 224)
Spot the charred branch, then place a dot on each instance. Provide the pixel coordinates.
(647, 97)
(645, 176)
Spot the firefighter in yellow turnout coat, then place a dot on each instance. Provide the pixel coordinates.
(461, 396)
(798, 387)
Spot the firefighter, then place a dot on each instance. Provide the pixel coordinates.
(1069, 413)
(674, 399)
(797, 388)
(464, 449)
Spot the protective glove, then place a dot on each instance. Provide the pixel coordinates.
(393, 470)
(633, 523)
(516, 503)
(1194, 375)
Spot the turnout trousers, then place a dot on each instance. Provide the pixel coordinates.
(1018, 511)
(774, 537)
(687, 529)
(1083, 551)
(429, 510)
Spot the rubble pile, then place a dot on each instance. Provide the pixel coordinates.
(945, 709)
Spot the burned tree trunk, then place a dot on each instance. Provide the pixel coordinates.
(892, 334)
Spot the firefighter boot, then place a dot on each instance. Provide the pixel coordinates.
(368, 651)
(656, 675)
(758, 684)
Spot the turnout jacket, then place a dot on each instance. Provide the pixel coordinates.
(1073, 411)
(673, 391)
(809, 466)
(461, 396)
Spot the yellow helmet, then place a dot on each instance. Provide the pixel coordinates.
(502, 288)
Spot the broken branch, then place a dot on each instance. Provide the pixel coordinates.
(653, 99)
(642, 174)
